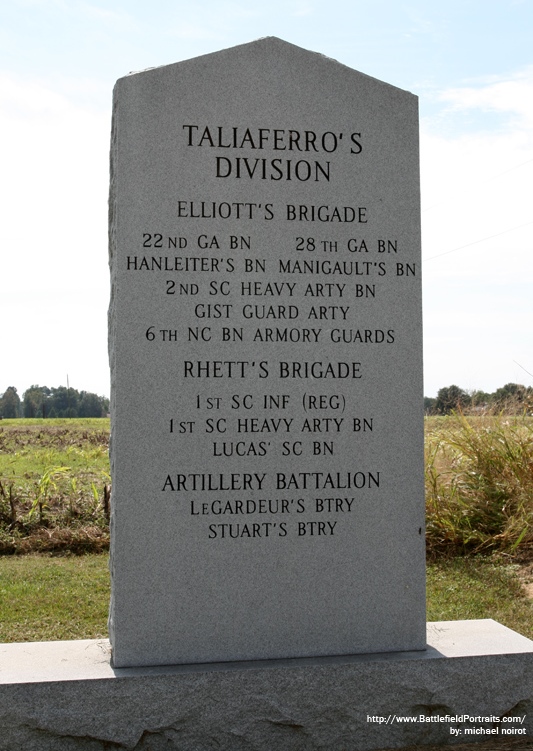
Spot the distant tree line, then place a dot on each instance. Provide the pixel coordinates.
(41, 401)
(512, 398)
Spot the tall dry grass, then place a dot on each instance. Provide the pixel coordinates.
(479, 483)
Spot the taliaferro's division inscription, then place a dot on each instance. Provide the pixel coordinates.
(266, 351)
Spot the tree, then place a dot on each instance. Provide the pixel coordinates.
(60, 401)
(64, 401)
(513, 397)
(34, 401)
(90, 405)
(480, 399)
(429, 405)
(10, 403)
(451, 398)
(513, 391)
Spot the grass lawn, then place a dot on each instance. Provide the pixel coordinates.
(48, 598)
(471, 588)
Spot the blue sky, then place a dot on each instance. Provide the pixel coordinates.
(470, 63)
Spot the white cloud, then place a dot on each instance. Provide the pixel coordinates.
(21, 99)
(477, 219)
(513, 96)
(476, 187)
(53, 193)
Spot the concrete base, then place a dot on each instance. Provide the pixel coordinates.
(65, 696)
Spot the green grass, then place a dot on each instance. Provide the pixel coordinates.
(471, 588)
(49, 599)
(46, 599)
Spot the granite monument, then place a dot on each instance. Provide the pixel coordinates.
(266, 358)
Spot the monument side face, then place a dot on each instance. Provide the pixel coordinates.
(266, 356)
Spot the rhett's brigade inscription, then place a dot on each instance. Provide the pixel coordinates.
(265, 340)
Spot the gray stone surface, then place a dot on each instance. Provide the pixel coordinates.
(65, 696)
(266, 356)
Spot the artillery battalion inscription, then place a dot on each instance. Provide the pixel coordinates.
(266, 356)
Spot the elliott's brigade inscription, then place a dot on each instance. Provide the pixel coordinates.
(265, 340)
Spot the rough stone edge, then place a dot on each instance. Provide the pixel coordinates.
(294, 705)
(112, 324)
(262, 41)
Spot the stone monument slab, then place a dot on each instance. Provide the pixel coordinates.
(474, 681)
(266, 359)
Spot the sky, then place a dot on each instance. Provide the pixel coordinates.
(470, 62)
